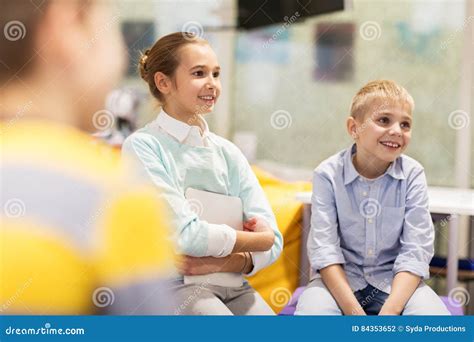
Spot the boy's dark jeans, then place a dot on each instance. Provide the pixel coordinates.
(371, 299)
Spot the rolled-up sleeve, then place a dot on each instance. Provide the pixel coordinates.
(193, 237)
(417, 238)
(255, 204)
(323, 240)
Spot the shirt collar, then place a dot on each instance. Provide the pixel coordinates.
(178, 129)
(395, 169)
(350, 173)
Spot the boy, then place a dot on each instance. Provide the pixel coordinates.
(78, 234)
(371, 237)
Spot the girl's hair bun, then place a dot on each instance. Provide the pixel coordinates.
(143, 65)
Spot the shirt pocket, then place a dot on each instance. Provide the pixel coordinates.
(351, 231)
(349, 218)
(392, 219)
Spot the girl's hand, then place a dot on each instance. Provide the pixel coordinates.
(257, 236)
(188, 265)
(257, 224)
(261, 226)
(249, 225)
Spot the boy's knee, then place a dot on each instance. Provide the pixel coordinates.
(425, 301)
(317, 301)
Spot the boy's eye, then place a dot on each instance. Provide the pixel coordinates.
(216, 74)
(198, 73)
(405, 125)
(383, 120)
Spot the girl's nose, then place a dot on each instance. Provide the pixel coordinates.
(211, 83)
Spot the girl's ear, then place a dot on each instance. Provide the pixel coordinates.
(351, 125)
(163, 83)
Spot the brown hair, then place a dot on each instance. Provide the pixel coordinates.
(384, 90)
(163, 57)
(20, 20)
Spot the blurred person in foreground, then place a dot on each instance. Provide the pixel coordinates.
(77, 234)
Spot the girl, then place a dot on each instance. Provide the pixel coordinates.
(178, 152)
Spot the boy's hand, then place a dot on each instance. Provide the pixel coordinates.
(334, 277)
(388, 311)
(403, 286)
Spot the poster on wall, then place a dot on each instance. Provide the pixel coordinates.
(138, 35)
(334, 44)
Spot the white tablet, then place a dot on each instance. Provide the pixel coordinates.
(217, 209)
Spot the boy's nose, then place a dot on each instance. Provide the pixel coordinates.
(395, 130)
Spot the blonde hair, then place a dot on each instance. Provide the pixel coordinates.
(384, 90)
(163, 57)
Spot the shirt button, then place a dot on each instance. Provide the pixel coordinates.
(370, 251)
(365, 193)
(369, 220)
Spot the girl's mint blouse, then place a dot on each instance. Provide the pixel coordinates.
(219, 167)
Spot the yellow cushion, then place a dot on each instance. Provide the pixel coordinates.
(277, 282)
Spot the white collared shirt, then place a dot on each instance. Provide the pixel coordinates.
(184, 133)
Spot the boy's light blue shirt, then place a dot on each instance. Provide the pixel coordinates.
(376, 228)
(177, 156)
